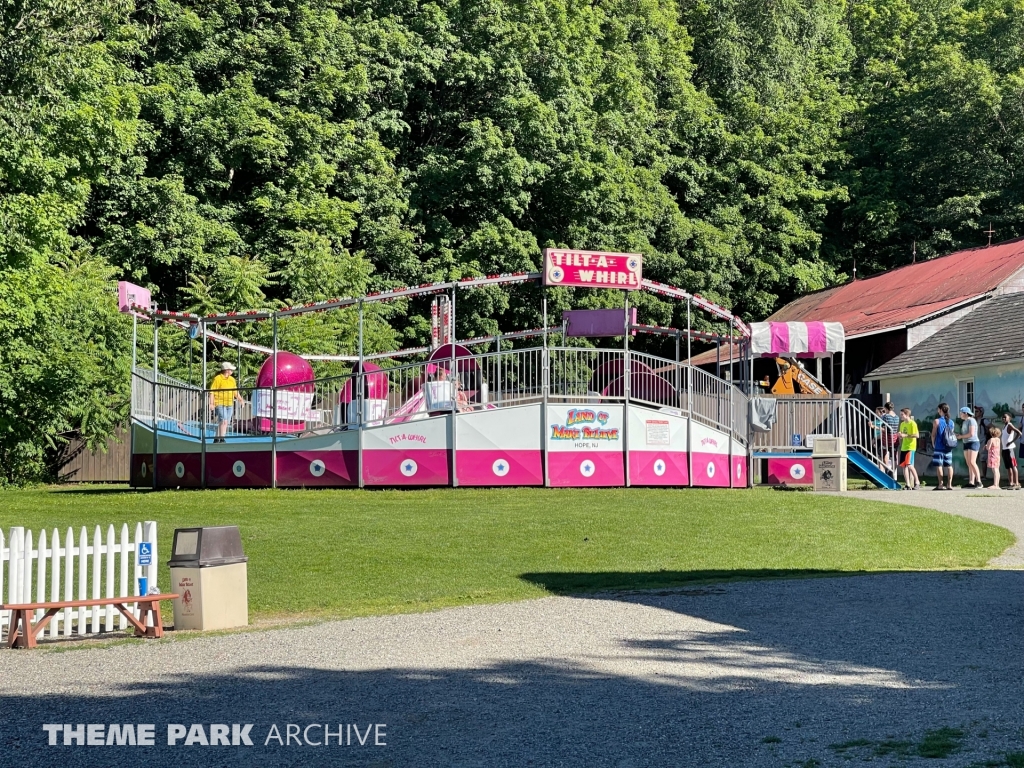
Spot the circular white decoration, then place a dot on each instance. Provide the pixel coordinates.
(797, 471)
(238, 468)
(179, 470)
(739, 469)
(711, 469)
(659, 467)
(144, 469)
(588, 468)
(500, 467)
(317, 468)
(408, 467)
(633, 263)
(556, 274)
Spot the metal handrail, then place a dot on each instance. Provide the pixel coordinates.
(838, 416)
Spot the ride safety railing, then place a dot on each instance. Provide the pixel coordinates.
(394, 392)
(799, 418)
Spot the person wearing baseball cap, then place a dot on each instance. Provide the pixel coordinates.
(223, 396)
(972, 445)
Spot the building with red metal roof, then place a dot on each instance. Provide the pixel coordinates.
(886, 314)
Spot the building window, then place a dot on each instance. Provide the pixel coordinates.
(966, 394)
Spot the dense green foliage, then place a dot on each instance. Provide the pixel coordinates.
(435, 548)
(234, 153)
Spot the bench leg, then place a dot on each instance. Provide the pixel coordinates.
(147, 609)
(21, 634)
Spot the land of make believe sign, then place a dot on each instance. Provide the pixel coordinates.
(592, 269)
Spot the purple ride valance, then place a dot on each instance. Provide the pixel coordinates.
(797, 339)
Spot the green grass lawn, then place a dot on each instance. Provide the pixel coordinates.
(348, 552)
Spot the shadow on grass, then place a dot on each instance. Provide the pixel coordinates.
(569, 583)
(99, 490)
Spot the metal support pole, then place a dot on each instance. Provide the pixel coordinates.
(357, 382)
(455, 398)
(842, 373)
(131, 409)
(749, 355)
(626, 382)
(678, 394)
(689, 396)
(544, 386)
(273, 406)
(204, 408)
(732, 419)
(156, 384)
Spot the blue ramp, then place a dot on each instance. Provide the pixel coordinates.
(869, 468)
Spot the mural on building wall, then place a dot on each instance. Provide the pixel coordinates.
(922, 393)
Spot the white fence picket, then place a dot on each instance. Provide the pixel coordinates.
(108, 624)
(54, 628)
(24, 557)
(97, 546)
(83, 561)
(41, 575)
(123, 586)
(26, 569)
(14, 573)
(69, 577)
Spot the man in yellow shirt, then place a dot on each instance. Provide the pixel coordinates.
(223, 396)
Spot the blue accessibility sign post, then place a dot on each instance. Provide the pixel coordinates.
(144, 557)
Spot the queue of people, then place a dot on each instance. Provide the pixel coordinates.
(1002, 445)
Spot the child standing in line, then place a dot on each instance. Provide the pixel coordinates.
(1008, 441)
(994, 450)
(908, 445)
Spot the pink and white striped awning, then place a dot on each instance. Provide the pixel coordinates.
(796, 339)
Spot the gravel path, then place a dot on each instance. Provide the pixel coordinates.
(809, 672)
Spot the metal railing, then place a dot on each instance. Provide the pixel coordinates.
(420, 389)
(798, 417)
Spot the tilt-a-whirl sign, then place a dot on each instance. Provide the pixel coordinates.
(592, 269)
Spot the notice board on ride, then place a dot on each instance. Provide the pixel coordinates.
(592, 269)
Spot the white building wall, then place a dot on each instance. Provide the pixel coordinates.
(918, 333)
(1013, 284)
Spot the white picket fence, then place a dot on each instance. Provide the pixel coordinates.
(39, 569)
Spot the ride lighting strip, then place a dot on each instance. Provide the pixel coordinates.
(427, 289)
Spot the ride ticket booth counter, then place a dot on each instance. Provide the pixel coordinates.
(209, 572)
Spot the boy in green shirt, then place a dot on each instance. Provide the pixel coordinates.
(908, 446)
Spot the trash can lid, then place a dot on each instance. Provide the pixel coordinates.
(205, 547)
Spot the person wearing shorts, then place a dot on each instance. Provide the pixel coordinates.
(223, 396)
(1008, 440)
(972, 445)
(908, 447)
(942, 456)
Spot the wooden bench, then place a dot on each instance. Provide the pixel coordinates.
(23, 632)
